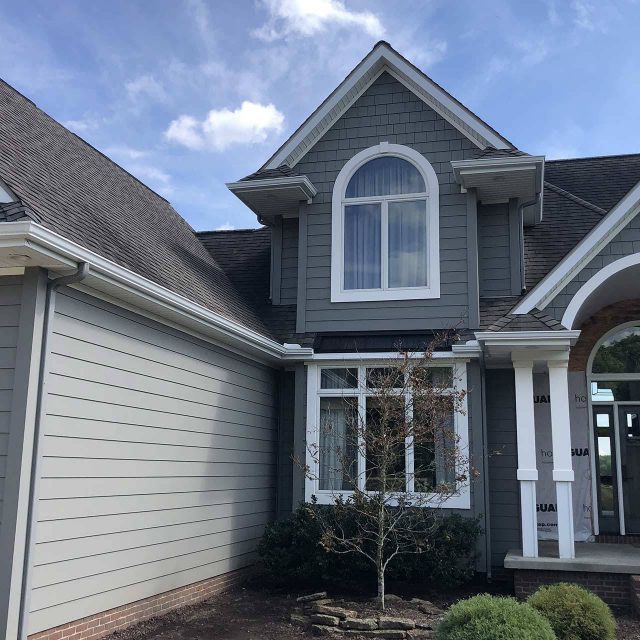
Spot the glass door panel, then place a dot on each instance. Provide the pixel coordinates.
(605, 450)
(629, 425)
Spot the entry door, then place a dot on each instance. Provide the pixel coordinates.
(629, 426)
(606, 471)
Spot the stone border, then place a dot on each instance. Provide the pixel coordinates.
(324, 616)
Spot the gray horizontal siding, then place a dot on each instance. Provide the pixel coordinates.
(10, 302)
(494, 254)
(289, 262)
(387, 111)
(503, 486)
(158, 462)
(626, 242)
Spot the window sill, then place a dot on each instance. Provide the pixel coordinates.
(459, 500)
(368, 295)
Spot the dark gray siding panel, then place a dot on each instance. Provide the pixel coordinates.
(286, 465)
(503, 486)
(494, 255)
(158, 462)
(387, 111)
(289, 263)
(625, 243)
(10, 302)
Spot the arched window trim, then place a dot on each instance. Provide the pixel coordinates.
(432, 290)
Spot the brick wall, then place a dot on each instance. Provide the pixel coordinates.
(106, 622)
(613, 588)
(597, 325)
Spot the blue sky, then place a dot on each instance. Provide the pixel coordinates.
(190, 94)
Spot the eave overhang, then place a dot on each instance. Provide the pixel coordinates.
(499, 179)
(270, 197)
(28, 244)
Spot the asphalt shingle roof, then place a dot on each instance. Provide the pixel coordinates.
(76, 191)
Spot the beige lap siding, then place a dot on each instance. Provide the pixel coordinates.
(10, 295)
(158, 463)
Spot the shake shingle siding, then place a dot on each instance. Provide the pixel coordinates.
(387, 111)
(626, 242)
(10, 303)
(158, 462)
(503, 486)
(494, 251)
(289, 263)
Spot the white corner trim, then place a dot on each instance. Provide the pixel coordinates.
(137, 290)
(546, 290)
(384, 58)
(590, 286)
(432, 197)
(274, 184)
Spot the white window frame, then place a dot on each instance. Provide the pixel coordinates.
(432, 197)
(460, 499)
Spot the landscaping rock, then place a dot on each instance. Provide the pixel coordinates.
(321, 630)
(339, 612)
(360, 624)
(420, 634)
(313, 596)
(299, 619)
(321, 619)
(383, 634)
(427, 607)
(395, 623)
(392, 598)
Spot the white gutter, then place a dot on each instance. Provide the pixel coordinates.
(275, 184)
(537, 339)
(123, 284)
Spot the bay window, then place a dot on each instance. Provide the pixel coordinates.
(343, 401)
(385, 227)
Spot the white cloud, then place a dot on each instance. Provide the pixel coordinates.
(124, 151)
(308, 17)
(145, 88)
(139, 163)
(81, 126)
(584, 15)
(227, 226)
(250, 123)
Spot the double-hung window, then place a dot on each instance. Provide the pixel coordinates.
(342, 401)
(385, 227)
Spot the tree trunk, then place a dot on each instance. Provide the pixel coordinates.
(380, 558)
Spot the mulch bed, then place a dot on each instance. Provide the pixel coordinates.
(247, 614)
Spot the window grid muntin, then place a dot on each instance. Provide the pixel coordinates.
(362, 392)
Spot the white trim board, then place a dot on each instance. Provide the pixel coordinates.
(383, 58)
(587, 249)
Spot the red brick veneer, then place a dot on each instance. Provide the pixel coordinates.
(106, 622)
(597, 325)
(613, 588)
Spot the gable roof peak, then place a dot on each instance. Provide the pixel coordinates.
(383, 57)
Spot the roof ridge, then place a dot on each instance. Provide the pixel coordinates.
(104, 155)
(600, 157)
(574, 198)
(229, 231)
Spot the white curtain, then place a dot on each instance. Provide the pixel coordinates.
(362, 246)
(336, 415)
(407, 244)
(385, 176)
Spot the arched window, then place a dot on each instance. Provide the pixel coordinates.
(385, 227)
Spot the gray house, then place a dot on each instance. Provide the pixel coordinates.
(156, 382)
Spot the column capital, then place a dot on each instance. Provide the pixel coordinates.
(558, 360)
(520, 362)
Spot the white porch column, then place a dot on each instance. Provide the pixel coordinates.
(527, 471)
(561, 442)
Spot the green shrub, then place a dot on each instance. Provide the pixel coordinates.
(492, 618)
(292, 554)
(574, 613)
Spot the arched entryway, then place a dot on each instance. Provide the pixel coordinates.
(613, 371)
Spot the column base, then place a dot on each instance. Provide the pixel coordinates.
(566, 541)
(529, 518)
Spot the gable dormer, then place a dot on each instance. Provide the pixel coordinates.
(387, 231)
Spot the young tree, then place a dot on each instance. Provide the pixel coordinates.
(396, 455)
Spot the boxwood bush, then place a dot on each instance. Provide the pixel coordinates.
(292, 554)
(574, 613)
(493, 618)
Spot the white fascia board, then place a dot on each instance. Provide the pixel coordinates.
(274, 184)
(136, 289)
(543, 339)
(383, 57)
(462, 168)
(546, 290)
